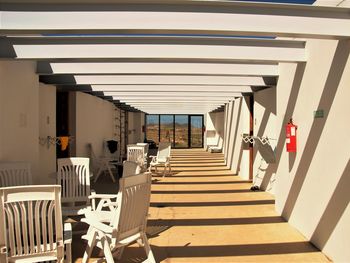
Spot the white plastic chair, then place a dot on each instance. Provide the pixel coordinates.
(216, 148)
(130, 168)
(136, 153)
(162, 158)
(15, 173)
(31, 225)
(102, 165)
(125, 224)
(98, 201)
(146, 147)
(74, 177)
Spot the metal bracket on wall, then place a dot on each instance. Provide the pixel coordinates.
(251, 139)
(49, 140)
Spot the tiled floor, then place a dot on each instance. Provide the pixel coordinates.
(203, 213)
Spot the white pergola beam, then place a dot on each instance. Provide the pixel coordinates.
(209, 102)
(190, 88)
(155, 80)
(170, 111)
(220, 49)
(174, 99)
(184, 105)
(179, 108)
(173, 104)
(171, 94)
(48, 68)
(180, 17)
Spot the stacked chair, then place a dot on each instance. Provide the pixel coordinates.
(15, 173)
(162, 158)
(136, 153)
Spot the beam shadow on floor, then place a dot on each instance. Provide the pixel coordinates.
(213, 183)
(216, 221)
(187, 251)
(196, 204)
(203, 175)
(228, 191)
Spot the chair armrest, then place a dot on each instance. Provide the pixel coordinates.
(107, 204)
(115, 162)
(67, 233)
(98, 225)
(102, 196)
(154, 158)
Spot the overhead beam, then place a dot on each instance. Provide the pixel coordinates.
(189, 88)
(175, 99)
(176, 17)
(131, 101)
(170, 94)
(173, 104)
(157, 68)
(157, 80)
(171, 111)
(193, 88)
(181, 107)
(153, 48)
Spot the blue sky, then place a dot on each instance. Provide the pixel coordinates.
(181, 119)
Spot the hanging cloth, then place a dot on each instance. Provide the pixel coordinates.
(112, 146)
(64, 142)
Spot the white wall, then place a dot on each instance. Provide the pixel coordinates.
(237, 121)
(214, 124)
(94, 123)
(311, 185)
(265, 126)
(47, 127)
(135, 122)
(19, 113)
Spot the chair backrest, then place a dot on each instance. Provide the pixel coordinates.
(74, 177)
(31, 224)
(130, 168)
(15, 173)
(136, 153)
(133, 204)
(163, 151)
(145, 145)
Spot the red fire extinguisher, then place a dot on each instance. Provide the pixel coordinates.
(291, 136)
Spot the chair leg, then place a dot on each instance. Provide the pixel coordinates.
(106, 249)
(100, 170)
(68, 253)
(120, 253)
(164, 170)
(90, 246)
(147, 248)
(111, 174)
(140, 242)
(169, 168)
